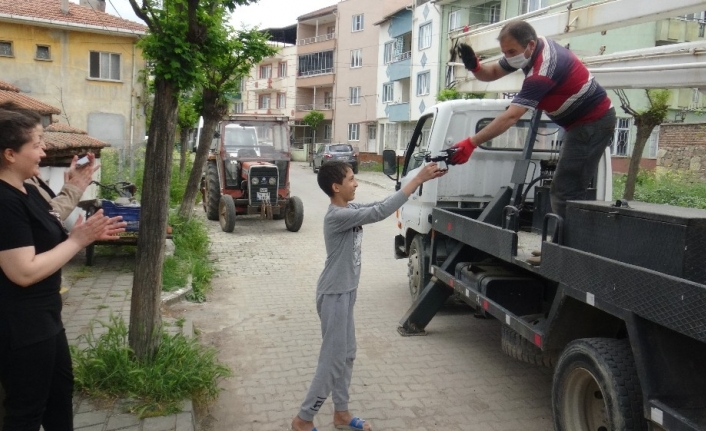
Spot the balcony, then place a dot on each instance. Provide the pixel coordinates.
(314, 107)
(316, 39)
(315, 78)
(397, 111)
(400, 66)
(675, 30)
(300, 111)
(322, 42)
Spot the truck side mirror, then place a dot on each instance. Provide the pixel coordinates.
(389, 162)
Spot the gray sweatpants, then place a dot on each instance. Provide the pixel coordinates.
(333, 373)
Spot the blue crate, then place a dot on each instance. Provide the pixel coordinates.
(130, 213)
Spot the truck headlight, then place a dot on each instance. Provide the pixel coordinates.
(272, 181)
(255, 181)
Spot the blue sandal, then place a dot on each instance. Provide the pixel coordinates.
(356, 424)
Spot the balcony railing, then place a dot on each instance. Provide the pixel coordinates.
(316, 72)
(400, 57)
(316, 39)
(314, 107)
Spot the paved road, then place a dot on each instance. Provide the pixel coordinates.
(261, 316)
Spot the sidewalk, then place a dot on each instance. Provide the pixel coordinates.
(96, 292)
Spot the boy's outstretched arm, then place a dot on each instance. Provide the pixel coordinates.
(428, 172)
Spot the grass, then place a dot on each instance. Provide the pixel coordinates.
(370, 166)
(181, 369)
(679, 189)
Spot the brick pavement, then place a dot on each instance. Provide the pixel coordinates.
(261, 316)
(97, 292)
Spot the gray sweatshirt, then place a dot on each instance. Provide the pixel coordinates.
(343, 235)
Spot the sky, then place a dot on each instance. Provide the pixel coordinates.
(264, 14)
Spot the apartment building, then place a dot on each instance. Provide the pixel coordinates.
(269, 89)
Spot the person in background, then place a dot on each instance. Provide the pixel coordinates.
(558, 83)
(76, 179)
(35, 364)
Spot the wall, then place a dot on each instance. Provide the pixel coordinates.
(682, 147)
(63, 81)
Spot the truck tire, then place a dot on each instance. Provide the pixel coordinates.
(516, 346)
(294, 214)
(226, 213)
(213, 191)
(417, 264)
(596, 387)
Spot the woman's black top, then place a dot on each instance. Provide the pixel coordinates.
(33, 313)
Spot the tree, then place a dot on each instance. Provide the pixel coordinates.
(226, 63)
(179, 30)
(645, 122)
(313, 119)
(187, 116)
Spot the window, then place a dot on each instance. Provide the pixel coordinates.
(356, 58)
(266, 71)
(454, 20)
(355, 96)
(238, 107)
(357, 22)
(327, 131)
(353, 131)
(494, 13)
(6, 49)
(389, 52)
(330, 31)
(621, 138)
(423, 80)
(264, 102)
(43, 53)
(372, 131)
(316, 63)
(104, 65)
(387, 92)
(282, 100)
(425, 36)
(527, 6)
(328, 100)
(283, 69)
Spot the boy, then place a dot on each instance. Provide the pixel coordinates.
(337, 287)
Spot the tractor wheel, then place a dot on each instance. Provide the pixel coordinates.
(596, 387)
(294, 214)
(417, 267)
(226, 213)
(213, 191)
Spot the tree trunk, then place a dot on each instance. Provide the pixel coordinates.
(184, 150)
(212, 112)
(145, 318)
(644, 130)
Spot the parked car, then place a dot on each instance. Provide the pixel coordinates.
(328, 152)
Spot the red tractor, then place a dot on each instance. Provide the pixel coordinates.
(248, 172)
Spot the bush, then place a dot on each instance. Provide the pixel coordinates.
(190, 257)
(678, 189)
(181, 369)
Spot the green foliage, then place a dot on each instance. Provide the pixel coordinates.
(177, 184)
(190, 257)
(453, 94)
(313, 119)
(678, 189)
(187, 115)
(181, 369)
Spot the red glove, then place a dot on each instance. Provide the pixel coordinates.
(463, 152)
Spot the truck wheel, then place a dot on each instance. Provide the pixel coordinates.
(226, 213)
(213, 191)
(596, 387)
(516, 346)
(417, 267)
(294, 214)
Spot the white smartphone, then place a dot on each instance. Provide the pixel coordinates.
(83, 161)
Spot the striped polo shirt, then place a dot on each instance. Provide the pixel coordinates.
(559, 84)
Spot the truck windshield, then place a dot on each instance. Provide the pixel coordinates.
(548, 136)
(256, 135)
(418, 145)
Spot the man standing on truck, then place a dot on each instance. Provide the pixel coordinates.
(557, 82)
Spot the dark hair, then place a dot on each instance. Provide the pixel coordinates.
(519, 30)
(331, 173)
(16, 125)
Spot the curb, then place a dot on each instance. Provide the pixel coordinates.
(169, 298)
